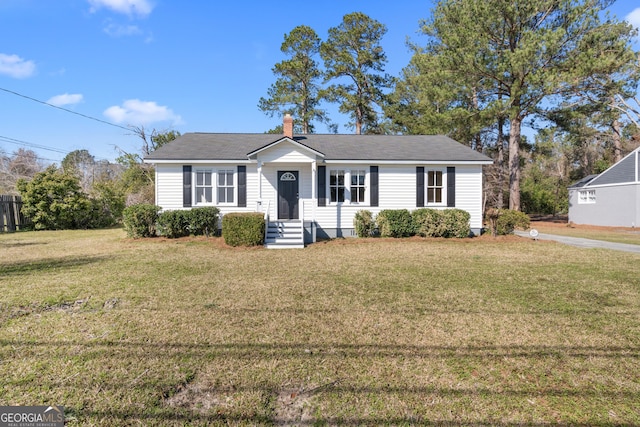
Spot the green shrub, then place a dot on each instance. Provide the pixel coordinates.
(429, 222)
(508, 220)
(364, 223)
(456, 223)
(173, 224)
(204, 221)
(395, 223)
(54, 200)
(140, 220)
(243, 229)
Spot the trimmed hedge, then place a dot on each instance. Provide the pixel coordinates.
(429, 222)
(243, 229)
(441, 223)
(140, 220)
(424, 222)
(364, 223)
(173, 224)
(204, 221)
(395, 223)
(508, 220)
(456, 223)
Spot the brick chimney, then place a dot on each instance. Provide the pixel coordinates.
(287, 126)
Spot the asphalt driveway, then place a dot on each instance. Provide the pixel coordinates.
(583, 243)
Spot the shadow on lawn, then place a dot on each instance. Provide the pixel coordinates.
(47, 264)
(252, 354)
(311, 350)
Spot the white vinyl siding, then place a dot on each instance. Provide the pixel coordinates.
(169, 187)
(285, 153)
(397, 190)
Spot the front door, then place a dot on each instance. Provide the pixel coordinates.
(287, 194)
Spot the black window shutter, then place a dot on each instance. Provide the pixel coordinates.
(186, 186)
(322, 186)
(420, 186)
(242, 186)
(451, 186)
(373, 180)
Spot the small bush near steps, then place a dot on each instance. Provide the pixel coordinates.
(243, 229)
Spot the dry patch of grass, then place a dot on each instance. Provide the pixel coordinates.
(402, 332)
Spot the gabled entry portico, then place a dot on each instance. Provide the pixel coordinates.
(287, 187)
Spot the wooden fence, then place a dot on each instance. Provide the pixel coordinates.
(11, 217)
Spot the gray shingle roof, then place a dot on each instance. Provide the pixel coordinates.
(584, 181)
(236, 146)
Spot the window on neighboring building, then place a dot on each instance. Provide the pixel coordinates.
(336, 186)
(587, 196)
(434, 186)
(204, 187)
(357, 186)
(225, 186)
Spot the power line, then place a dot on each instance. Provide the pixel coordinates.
(65, 109)
(39, 147)
(31, 145)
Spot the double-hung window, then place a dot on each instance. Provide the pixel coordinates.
(348, 186)
(204, 187)
(435, 187)
(357, 186)
(336, 186)
(587, 197)
(226, 187)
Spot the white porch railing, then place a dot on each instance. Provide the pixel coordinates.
(302, 217)
(266, 219)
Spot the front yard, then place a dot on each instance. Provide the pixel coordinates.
(476, 331)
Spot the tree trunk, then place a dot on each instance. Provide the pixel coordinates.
(514, 163)
(617, 140)
(500, 163)
(358, 123)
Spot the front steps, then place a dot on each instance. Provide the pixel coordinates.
(284, 234)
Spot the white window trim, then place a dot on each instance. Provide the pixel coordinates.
(195, 187)
(235, 186)
(426, 186)
(347, 185)
(366, 186)
(586, 197)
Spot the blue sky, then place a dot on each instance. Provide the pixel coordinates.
(192, 66)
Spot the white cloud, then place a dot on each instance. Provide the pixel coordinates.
(115, 30)
(65, 99)
(127, 7)
(634, 17)
(136, 112)
(14, 66)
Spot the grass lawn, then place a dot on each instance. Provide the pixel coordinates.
(477, 331)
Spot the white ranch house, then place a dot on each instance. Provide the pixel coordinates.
(311, 186)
